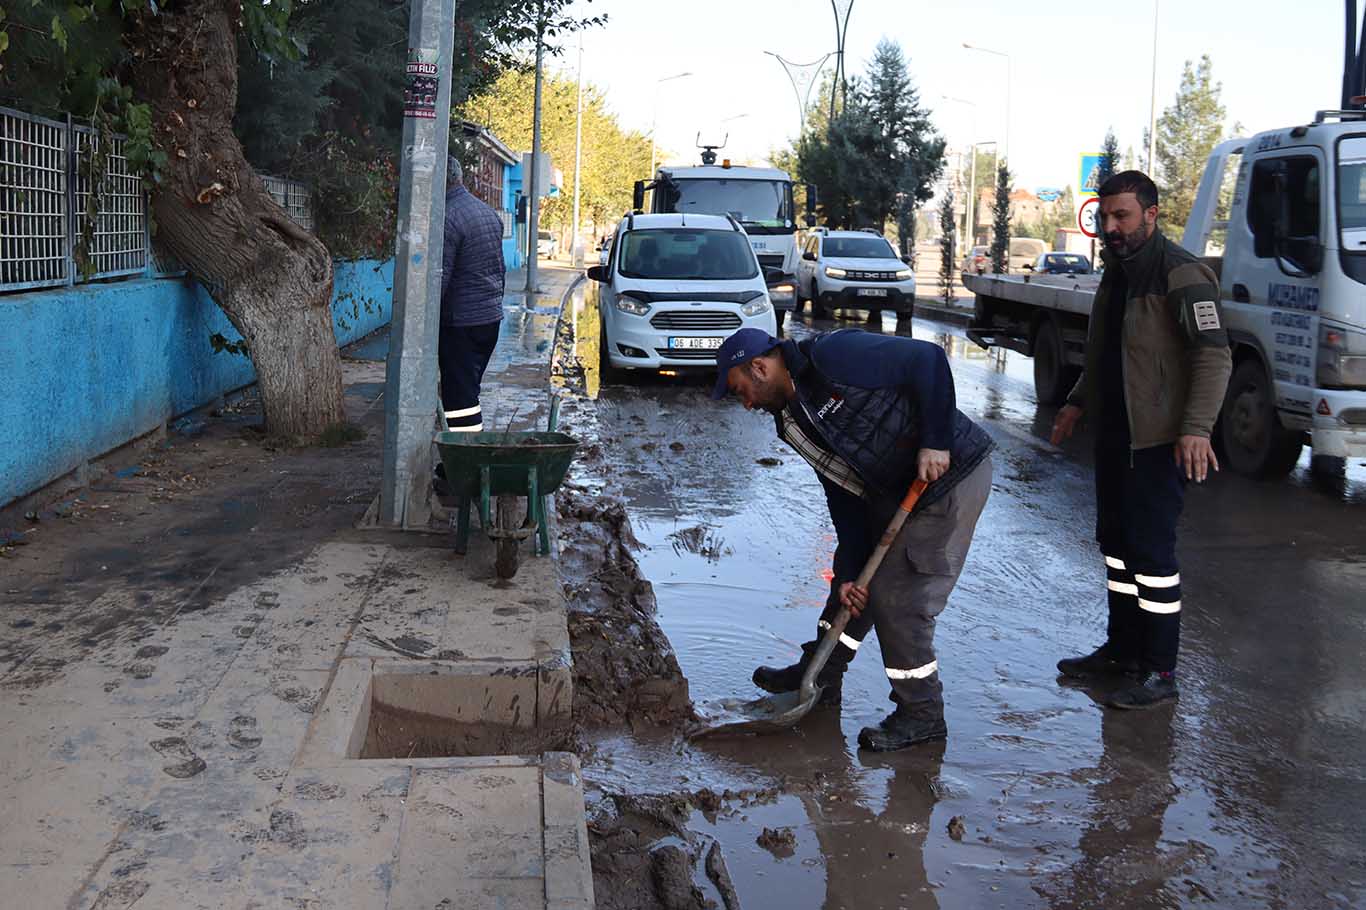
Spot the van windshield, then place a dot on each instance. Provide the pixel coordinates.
(684, 254)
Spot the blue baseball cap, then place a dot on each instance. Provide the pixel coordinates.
(739, 348)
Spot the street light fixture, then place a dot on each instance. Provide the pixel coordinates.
(987, 50)
(654, 116)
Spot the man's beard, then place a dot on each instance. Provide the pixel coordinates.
(1126, 244)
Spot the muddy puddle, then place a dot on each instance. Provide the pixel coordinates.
(1039, 798)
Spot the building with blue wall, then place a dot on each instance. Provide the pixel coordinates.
(496, 178)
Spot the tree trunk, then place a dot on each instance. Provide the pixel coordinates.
(272, 279)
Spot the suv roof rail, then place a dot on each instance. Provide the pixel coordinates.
(868, 230)
(733, 223)
(630, 221)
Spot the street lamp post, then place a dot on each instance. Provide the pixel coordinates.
(575, 252)
(654, 116)
(1009, 79)
(1152, 101)
(972, 167)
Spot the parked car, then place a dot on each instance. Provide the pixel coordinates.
(853, 270)
(977, 260)
(674, 287)
(545, 245)
(1061, 264)
(1023, 251)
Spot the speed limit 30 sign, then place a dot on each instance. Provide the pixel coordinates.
(1088, 217)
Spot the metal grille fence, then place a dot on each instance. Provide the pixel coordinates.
(293, 197)
(43, 197)
(35, 237)
(119, 244)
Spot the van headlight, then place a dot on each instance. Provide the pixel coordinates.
(1342, 357)
(832, 272)
(904, 275)
(632, 306)
(756, 307)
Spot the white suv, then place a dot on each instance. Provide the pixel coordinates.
(674, 287)
(853, 270)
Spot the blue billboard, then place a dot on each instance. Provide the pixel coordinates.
(1088, 179)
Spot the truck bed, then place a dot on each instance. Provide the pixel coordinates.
(1063, 293)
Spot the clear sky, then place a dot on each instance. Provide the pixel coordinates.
(1077, 67)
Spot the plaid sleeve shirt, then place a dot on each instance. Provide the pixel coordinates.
(472, 270)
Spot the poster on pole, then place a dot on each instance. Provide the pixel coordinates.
(1088, 176)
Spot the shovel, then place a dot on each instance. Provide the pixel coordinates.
(778, 712)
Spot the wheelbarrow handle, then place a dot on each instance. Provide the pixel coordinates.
(832, 635)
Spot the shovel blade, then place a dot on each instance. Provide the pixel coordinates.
(738, 716)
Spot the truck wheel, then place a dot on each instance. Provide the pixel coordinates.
(818, 310)
(1254, 441)
(799, 299)
(1053, 378)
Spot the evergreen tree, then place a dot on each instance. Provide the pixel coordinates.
(948, 220)
(1187, 132)
(1000, 222)
(1109, 157)
(877, 149)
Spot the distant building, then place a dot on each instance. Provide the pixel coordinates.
(496, 178)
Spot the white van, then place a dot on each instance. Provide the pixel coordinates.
(674, 287)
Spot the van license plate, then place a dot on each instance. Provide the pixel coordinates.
(695, 344)
(872, 292)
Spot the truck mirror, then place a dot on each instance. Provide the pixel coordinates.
(811, 198)
(809, 256)
(597, 273)
(638, 196)
(773, 275)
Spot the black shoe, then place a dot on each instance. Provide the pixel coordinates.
(1100, 662)
(901, 729)
(1150, 691)
(789, 679)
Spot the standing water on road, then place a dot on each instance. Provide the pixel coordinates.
(1248, 793)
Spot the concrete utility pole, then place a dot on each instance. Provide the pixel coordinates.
(533, 202)
(410, 405)
(1152, 101)
(575, 253)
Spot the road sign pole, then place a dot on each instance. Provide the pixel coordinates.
(410, 404)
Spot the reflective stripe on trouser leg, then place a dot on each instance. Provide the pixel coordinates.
(465, 420)
(1123, 631)
(1159, 607)
(846, 639)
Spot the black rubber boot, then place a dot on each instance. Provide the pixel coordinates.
(1100, 662)
(1150, 691)
(789, 679)
(900, 730)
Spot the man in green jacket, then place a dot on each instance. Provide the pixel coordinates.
(1157, 365)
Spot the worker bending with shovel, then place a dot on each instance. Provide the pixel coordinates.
(871, 414)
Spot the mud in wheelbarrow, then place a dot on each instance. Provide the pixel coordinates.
(495, 470)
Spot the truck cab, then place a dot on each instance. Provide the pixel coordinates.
(1281, 218)
(759, 198)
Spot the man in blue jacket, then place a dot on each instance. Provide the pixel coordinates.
(472, 276)
(871, 413)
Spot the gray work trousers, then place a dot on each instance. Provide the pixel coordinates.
(913, 585)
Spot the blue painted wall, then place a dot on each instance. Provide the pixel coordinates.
(513, 246)
(89, 368)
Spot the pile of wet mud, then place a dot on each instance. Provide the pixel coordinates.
(625, 670)
(645, 857)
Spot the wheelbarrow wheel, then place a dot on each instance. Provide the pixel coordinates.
(507, 549)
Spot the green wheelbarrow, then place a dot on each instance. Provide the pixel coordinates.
(496, 469)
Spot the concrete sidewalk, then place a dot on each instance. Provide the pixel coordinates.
(218, 693)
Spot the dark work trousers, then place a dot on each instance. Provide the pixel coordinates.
(463, 354)
(1139, 495)
(911, 588)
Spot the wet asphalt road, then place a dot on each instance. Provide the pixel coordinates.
(1251, 792)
